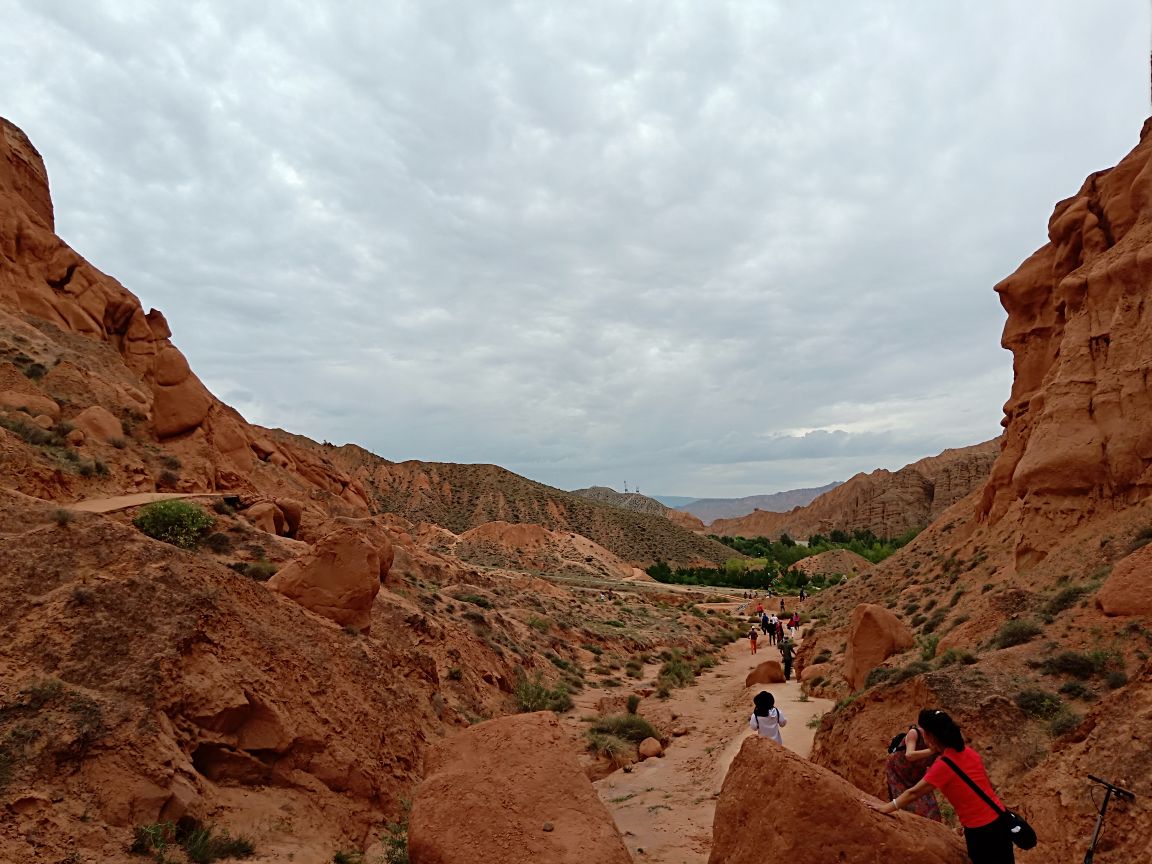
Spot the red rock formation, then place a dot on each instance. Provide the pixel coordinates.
(1076, 440)
(874, 635)
(339, 578)
(884, 502)
(768, 672)
(510, 791)
(834, 562)
(777, 806)
(1128, 589)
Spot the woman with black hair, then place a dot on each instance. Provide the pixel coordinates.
(984, 832)
(766, 718)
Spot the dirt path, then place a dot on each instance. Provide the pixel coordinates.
(123, 502)
(665, 806)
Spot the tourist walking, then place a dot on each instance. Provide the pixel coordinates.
(766, 718)
(787, 650)
(764, 623)
(908, 758)
(773, 621)
(752, 639)
(779, 630)
(985, 834)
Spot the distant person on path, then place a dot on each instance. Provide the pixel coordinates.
(907, 761)
(752, 639)
(772, 622)
(794, 623)
(781, 605)
(779, 631)
(766, 718)
(764, 622)
(987, 837)
(787, 650)
(803, 595)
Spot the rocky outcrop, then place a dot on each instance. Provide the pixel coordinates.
(339, 578)
(884, 502)
(828, 821)
(1077, 442)
(768, 672)
(22, 173)
(510, 790)
(1128, 588)
(874, 635)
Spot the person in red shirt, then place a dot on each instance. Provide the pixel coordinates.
(986, 836)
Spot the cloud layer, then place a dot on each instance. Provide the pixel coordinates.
(707, 248)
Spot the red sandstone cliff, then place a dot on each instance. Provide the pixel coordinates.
(1077, 440)
(887, 503)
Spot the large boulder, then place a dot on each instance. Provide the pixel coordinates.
(816, 817)
(1128, 589)
(768, 672)
(874, 635)
(99, 423)
(338, 579)
(510, 791)
(30, 403)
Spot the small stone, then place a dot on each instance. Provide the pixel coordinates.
(548, 826)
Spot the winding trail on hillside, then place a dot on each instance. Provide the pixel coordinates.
(124, 502)
(665, 806)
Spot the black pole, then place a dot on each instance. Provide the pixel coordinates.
(1120, 793)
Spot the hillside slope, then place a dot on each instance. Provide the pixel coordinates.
(887, 503)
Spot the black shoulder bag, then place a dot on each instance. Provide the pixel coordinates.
(1018, 829)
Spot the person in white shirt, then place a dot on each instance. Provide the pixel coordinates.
(766, 718)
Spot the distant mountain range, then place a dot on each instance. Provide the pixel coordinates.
(708, 509)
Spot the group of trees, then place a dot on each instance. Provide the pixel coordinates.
(771, 562)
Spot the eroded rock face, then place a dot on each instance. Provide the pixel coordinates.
(874, 635)
(887, 503)
(815, 817)
(489, 792)
(338, 579)
(1128, 589)
(1075, 441)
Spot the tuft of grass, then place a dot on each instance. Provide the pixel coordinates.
(630, 727)
(532, 694)
(615, 749)
(63, 517)
(201, 844)
(1016, 633)
(540, 625)
(633, 703)
(1039, 703)
(1065, 598)
(476, 600)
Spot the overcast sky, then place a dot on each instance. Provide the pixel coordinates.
(708, 248)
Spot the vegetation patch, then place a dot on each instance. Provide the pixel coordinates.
(1016, 633)
(534, 695)
(630, 727)
(175, 522)
(1042, 704)
(201, 844)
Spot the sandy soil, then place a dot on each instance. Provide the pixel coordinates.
(123, 502)
(664, 807)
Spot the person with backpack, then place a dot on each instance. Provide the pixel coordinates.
(908, 758)
(958, 772)
(752, 638)
(787, 649)
(766, 718)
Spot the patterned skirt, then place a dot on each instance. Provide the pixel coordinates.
(901, 773)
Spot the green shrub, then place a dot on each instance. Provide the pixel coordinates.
(1064, 721)
(540, 625)
(633, 703)
(1116, 679)
(823, 657)
(878, 675)
(676, 672)
(476, 600)
(1016, 633)
(1065, 598)
(634, 669)
(916, 667)
(455, 674)
(200, 843)
(617, 750)
(630, 727)
(175, 522)
(1077, 690)
(1070, 663)
(1039, 703)
(953, 656)
(534, 695)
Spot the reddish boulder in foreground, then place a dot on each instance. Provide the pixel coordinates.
(489, 791)
(874, 635)
(338, 579)
(768, 672)
(1128, 590)
(816, 817)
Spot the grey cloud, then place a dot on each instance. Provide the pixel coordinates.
(709, 247)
